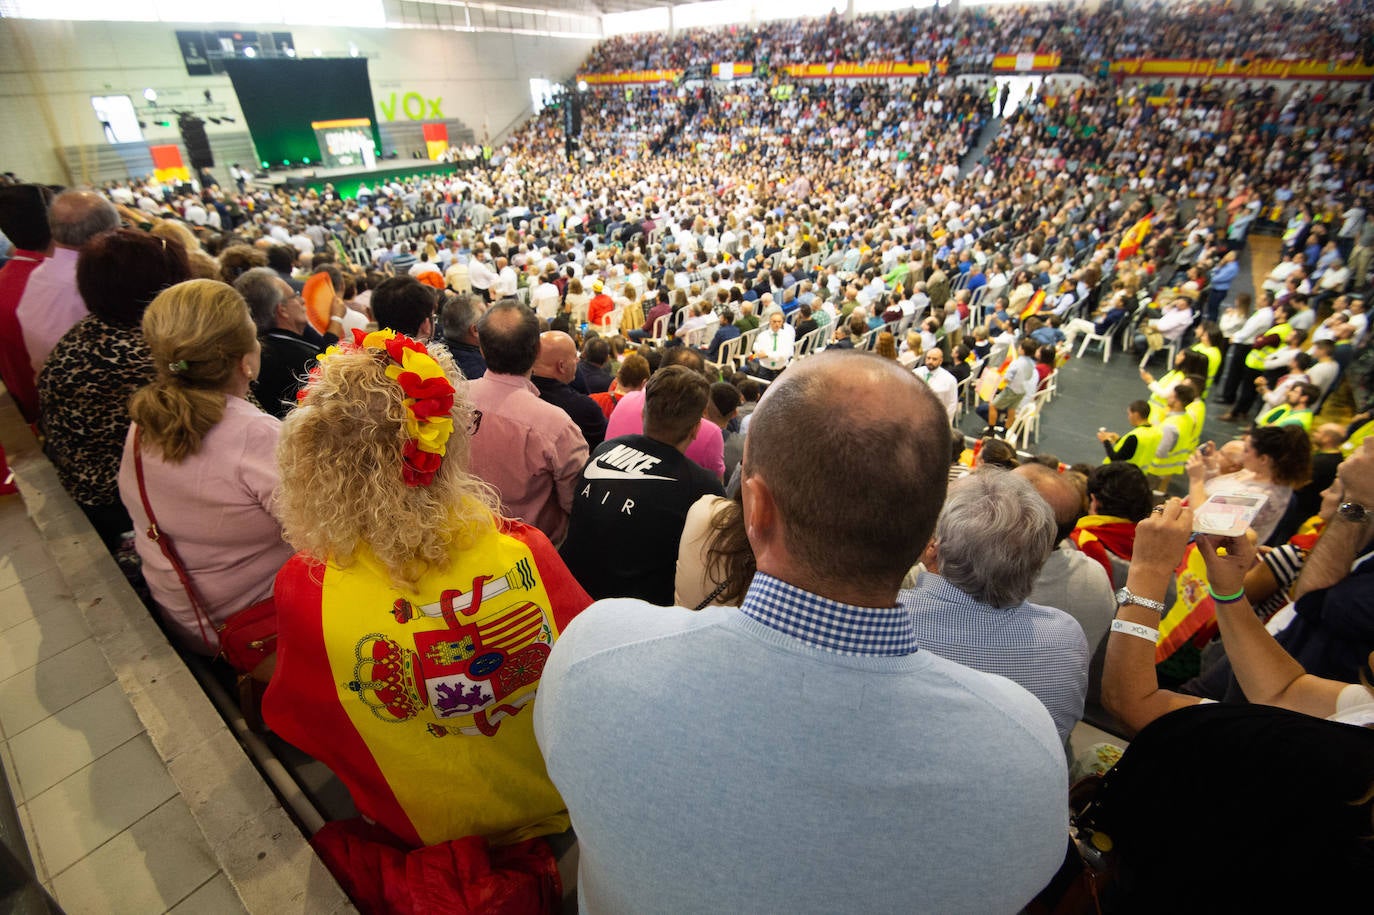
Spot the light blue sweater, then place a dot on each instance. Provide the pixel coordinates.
(712, 764)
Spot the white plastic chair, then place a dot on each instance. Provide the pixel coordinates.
(1105, 338)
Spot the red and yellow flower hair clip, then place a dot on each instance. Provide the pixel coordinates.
(428, 398)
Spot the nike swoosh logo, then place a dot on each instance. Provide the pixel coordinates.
(595, 471)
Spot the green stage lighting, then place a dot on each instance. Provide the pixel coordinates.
(305, 161)
(285, 161)
(265, 164)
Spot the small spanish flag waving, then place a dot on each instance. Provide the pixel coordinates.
(1033, 304)
(1130, 242)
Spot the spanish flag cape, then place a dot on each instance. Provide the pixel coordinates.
(421, 703)
(1130, 242)
(1102, 536)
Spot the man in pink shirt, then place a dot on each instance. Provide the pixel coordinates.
(24, 220)
(51, 303)
(707, 449)
(529, 450)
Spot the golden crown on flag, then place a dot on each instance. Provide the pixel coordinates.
(384, 677)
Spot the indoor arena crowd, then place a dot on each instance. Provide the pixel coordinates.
(683, 403)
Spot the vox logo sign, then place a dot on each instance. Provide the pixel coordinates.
(414, 106)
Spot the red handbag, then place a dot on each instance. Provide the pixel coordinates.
(248, 637)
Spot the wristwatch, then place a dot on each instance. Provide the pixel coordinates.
(1124, 596)
(1354, 512)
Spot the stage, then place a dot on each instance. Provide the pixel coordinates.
(347, 180)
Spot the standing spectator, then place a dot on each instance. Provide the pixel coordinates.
(287, 356)
(86, 382)
(553, 372)
(651, 839)
(530, 451)
(24, 221)
(993, 537)
(51, 303)
(633, 496)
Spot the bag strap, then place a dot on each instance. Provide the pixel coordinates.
(165, 543)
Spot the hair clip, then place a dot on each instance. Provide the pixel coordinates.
(180, 365)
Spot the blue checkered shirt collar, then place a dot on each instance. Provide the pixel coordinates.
(828, 624)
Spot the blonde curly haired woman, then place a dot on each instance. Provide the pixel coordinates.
(414, 621)
(207, 458)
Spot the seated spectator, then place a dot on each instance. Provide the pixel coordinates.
(993, 537)
(932, 726)
(1301, 401)
(86, 381)
(530, 451)
(206, 453)
(634, 494)
(553, 372)
(1136, 445)
(724, 334)
(600, 306)
(398, 566)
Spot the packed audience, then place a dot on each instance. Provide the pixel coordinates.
(970, 38)
(484, 434)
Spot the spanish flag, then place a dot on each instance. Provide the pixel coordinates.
(1033, 304)
(1193, 617)
(422, 703)
(1130, 242)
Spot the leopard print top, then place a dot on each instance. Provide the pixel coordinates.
(83, 393)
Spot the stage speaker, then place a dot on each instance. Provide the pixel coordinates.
(197, 144)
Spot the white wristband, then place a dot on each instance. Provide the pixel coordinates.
(1137, 630)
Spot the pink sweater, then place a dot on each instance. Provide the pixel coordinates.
(214, 507)
(707, 449)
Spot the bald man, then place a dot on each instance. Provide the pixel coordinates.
(737, 748)
(554, 370)
(1070, 580)
(942, 384)
(51, 302)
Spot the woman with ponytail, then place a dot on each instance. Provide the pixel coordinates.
(208, 460)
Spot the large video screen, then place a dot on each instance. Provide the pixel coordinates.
(281, 99)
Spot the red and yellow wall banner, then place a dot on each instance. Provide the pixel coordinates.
(1242, 69)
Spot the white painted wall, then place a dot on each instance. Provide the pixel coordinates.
(50, 69)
